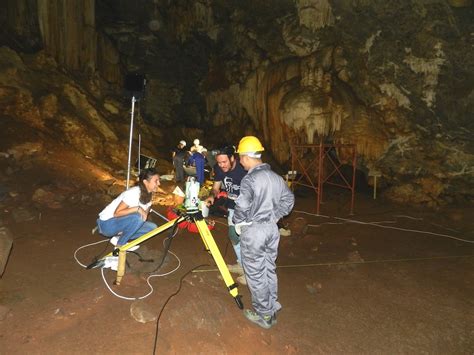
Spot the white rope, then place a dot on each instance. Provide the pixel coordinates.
(147, 280)
(85, 246)
(375, 224)
(319, 225)
(409, 217)
(357, 262)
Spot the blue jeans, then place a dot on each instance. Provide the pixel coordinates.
(129, 227)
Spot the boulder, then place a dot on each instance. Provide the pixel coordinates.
(6, 243)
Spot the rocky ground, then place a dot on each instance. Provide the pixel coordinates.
(344, 287)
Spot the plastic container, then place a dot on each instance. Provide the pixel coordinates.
(204, 209)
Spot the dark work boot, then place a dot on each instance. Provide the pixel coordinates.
(263, 321)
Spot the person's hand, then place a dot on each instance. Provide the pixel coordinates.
(210, 200)
(143, 213)
(238, 229)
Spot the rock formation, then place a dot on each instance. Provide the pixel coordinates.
(393, 78)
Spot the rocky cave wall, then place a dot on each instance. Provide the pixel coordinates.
(393, 78)
(67, 31)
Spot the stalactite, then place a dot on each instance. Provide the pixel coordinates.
(366, 132)
(314, 14)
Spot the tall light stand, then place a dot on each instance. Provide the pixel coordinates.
(130, 142)
(139, 150)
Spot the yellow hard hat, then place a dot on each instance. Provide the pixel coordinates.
(250, 144)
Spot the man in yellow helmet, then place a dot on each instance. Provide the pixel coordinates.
(264, 199)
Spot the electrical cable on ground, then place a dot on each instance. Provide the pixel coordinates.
(166, 302)
(147, 281)
(88, 245)
(174, 231)
(175, 293)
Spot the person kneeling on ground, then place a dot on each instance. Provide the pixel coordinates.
(228, 175)
(125, 218)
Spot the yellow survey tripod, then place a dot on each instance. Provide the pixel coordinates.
(193, 216)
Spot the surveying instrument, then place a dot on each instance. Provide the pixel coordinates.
(192, 214)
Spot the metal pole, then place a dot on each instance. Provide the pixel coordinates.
(375, 187)
(293, 153)
(130, 142)
(139, 147)
(354, 165)
(320, 179)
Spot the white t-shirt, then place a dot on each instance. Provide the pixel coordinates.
(130, 197)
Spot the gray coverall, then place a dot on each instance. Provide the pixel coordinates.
(264, 199)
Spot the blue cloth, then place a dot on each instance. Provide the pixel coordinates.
(129, 227)
(198, 160)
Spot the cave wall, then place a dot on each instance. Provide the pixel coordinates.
(393, 78)
(19, 28)
(67, 31)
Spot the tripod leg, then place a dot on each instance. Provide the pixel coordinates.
(124, 248)
(204, 239)
(122, 258)
(211, 245)
(148, 235)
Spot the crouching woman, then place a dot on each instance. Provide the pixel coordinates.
(125, 218)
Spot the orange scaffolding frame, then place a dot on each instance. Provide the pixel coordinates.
(322, 155)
